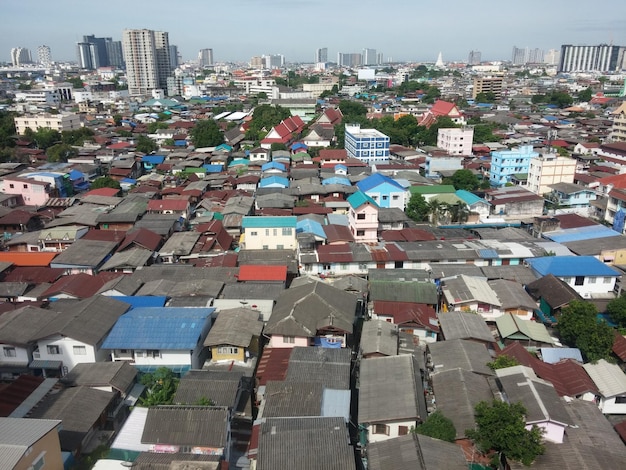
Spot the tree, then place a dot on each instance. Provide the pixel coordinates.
(146, 144)
(616, 309)
(458, 212)
(437, 210)
(585, 95)
(464, 179)
(437, 426)
(502, 362)
(352, 108)
(278, 146)
(501, 427)
(486, 97)
(44, 137)
(7, 129)
(417, 209)
(206, 134)
(155, 126)
(105, 182)
(77, 136)
(261, 95)
(60, 153)
(161, 387)
(579, 327)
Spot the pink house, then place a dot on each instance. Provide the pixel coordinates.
(363, 217)
(34, 193)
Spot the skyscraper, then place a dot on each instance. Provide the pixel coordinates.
(114, 52)
(602, 58)
(349, 59)
(519, 56)
(92, 52)
(173, 56)
(147, 55)
(321, 55)
(369, 57)
(474, 58)
(205, 57)
(43, 55)
(20, 56)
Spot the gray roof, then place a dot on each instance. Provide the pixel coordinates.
(179, 272)
(519, 273)
(222, 388)
(443, 270)
(303, 310)
(350, 283)
(591, 443)
(182, 287)
(252, 290)
(400, 275)
(327, 366)
(162, 224)
(17, 435)
(595, 246)
(131, 258)
(512, 295)
(460, 354)
(186, 426)
(86, 320)
(463, 325)
(19, 327)
(415, 452)
(235, 327)
(177, 461)
(292, 399)
(119, 375)
(287, 258)
(391, 215)
(79, 408)
(129, 210)
(457, 392)
(463, 289)
(390, 390)
(90, 253)
(379, 336)
(180, 243)
(553, 291)
(540, 399)
(288, 443)
(404, 291)
(126, 285)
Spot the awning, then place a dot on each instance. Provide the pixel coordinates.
(43, 364)
(134, 394)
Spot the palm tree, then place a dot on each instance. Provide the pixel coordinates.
(459, 212)
(436, 209)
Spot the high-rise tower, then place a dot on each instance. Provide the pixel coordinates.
(147, 56)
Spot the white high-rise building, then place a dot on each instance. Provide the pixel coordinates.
(321, 55)
(20, 56)
(551, 57)
(369, 57)
(474, 58)
(205, 57)
(147, 56)
(44, 56)
(602, 58)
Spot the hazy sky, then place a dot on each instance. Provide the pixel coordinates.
(405, 30)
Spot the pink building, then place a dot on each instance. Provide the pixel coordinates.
(363, 218)
(34, 193)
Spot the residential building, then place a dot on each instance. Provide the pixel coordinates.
(611, 383)
(506, 163)
(368, 145)
(549, 169)
(235, 335)
(456, 141)
(57, 122)
(20, 56)
(205, 57)
(363, 217)
(30, 444)
(618, 130)
(600, 58)
(146, 53)
(349, 59)
(369, 57)
(572, 196)
(519, 56)
(35, 193)
(321, 55)
(489, 84)
(44, 56)
(385, 191)
(268, 233)
(174, 56)
(514, 203)
(474, 58)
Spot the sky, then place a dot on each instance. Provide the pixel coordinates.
(403, 30)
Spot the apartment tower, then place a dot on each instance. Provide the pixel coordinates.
(147, 56)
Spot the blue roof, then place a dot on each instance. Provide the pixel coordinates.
(554, 355)
(336, 180)
(252, 221)
(469, 198)
(359, 198)
(310, 226)
(568, 266)
(142, 300)
(153, 159)
(274, 180)
(128, 181)
(488, 253)
(224, 147)
(376, 180)
(164, 328)
(239, 161)
(581, 233)
(273, 165)
(299, 145)
(213, 168)
(76, 175)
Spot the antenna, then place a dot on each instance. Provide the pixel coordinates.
(551, 136)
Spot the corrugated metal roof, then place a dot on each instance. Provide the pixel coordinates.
(568, 266)
(609, 378)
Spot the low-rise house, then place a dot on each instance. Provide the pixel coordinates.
(513, 298)
(553, 295)
(514, 203)
(391, 397)
(419, 320)
(179, 245)
(385, 191)
(30, 443)
(379, 338)
(128, 261)
(221, 388)
(34, 193)
(611, 383)
(363, 217)
(152, 337)
(572, 196)
(178, 206)
(84, 256)
(465, 325)
(19, 221)
(60, 238)
(531, 334)
(452, 354)
(235, 335)
(471, 294)
(268, 233)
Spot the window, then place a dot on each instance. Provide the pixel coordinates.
(592, 280)
(80, 351)
(11, 185)
(280, 247)
(289, 339)
(620, 400)
(138, 353)
(25, 186)
(360, 216)
(360, 233)
(381, 429)
(253, 234)
(266, 247)
(227, 350)
(580, 280)
(40, 462)
(385, 198)
(286, 232)
(9, 351)
(326, 267)
(403, 430)
(267, 232)
(395, 197)
(53, 349)
(606, 280)
(153, 353)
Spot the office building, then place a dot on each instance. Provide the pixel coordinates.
(321, 55)
(602, 58)
(507, 163)
(490, 84)
(535, 56)
(147, 56)
(174, 63)
(548, 169)
(369, 57)
(380, 59)
(44, 56)
(92, 52)
(474, 58)
(274, 61)
(551, 57)
(205, 57)
(368, 145)
(256, 62)
(20, 56)
(349, 59)
(519, 56)
(114, 53)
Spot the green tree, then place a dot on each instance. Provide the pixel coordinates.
(7, 129)
(501, 427)
(264, 118)
(76, 82)
(206, 133)
(458, 212)
(160, 387)
(616, 309)
(204, 401)
(585, 95)
(146, 144)
(437, 426)
(579, 327)
(502, 362)
(417, 208)
(44, 137)
(486, 97)
(105, 182)
(77, 136)
(352, 108)
(464, 179)
(278, 146)
(155, 126)
(437, 210)
(60, 152)
(262, 95)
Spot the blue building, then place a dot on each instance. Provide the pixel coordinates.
(368, 145)
(386, 191)
(506, 163)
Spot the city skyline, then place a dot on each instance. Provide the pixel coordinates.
(234, 30)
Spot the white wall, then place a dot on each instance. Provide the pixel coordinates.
(592, 285)
(608, 406)
(66, 350)
(394, 429)
(21, 355)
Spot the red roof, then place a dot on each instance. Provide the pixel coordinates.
(333, 154)
(620, 428)
(17, 217)
(119, 146)
(619, 346)
(27, 259)
(19, 390)
(445, 108)
(107, 192)
(77, 285)
(405, 313)
(254, 272)
(143, 238)
(273, 365)
(618, 181)
(120, 172)
(227, 260)
(176, 204)
(574, 221)
(341, 253)
(407, 235)
(337, 233)
(34, 274)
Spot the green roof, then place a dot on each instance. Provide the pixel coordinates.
(359, 198)
(434, 189)
(520, 176)
(513, 327)
(254, 221)
(447, 198)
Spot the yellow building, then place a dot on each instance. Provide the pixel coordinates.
(27, 444)
(235, 335)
